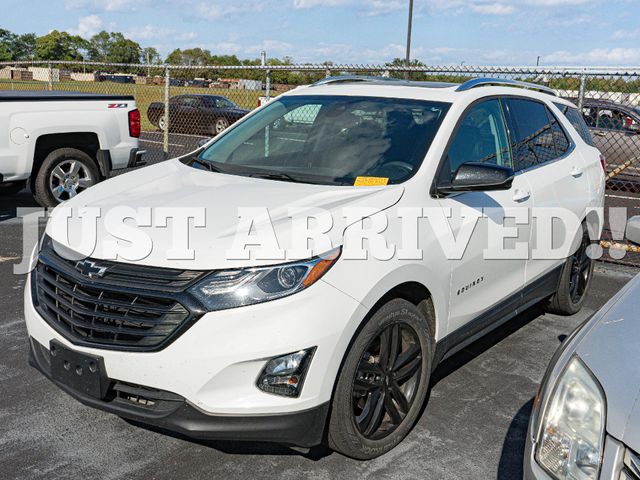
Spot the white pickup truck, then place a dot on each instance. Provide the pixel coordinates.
(64, 142)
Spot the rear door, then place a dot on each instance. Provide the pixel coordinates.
(484, 287)
(545, 155)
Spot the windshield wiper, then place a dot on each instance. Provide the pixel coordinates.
(208, 165)
(276, 176)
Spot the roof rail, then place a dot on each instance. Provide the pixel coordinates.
(485, 82)
(381, 81)
(353, 78)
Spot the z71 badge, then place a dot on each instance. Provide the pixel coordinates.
(117, 105)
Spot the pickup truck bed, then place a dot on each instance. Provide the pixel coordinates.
(41, 130)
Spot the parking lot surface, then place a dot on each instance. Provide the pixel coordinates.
(472, 427)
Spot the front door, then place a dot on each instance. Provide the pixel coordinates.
(484, 280)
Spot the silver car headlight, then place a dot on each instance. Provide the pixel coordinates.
(571, 440)
(232, 288)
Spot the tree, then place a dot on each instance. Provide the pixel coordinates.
(113, 47)
(99, 45)
(16, 47)
(60, 46)
(151, 56)
(190, 56)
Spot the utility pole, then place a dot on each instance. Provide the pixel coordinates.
(538, 61)
(408, 58)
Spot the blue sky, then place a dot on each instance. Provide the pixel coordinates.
(487, 32)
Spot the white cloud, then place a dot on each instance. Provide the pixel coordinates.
(319, 3)
(106, 5)
(596, 57)
(87, 26)
(152, 32)
(493, 8)
(186, 36)
(209, 11)
(626, 34)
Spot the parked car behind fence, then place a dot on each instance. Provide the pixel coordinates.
(198, 114)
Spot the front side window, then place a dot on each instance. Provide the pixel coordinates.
(532, 138)
(481, 137)
(612, 119)
(329, 139)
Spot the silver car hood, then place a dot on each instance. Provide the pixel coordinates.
(611, 351)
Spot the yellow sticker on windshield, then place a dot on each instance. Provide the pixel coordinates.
(370, 181)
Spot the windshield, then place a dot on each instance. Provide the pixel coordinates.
(329, 140)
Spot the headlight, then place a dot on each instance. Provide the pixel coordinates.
(245, 286)
(572, 437)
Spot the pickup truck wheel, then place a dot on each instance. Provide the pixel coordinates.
(64, 173)
(575, 280)
(220, 125)
(11, 188)
(383, 382)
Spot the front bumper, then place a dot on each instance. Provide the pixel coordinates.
(172, 412)
(214, 364)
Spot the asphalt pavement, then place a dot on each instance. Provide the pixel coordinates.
(473, 425)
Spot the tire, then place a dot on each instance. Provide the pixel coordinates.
(575, 280)
(11, 188)
(64, 173)
(351, 430)
(219, 125)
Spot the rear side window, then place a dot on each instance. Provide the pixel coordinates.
(532, 137)
(559, 136)
(578, 122)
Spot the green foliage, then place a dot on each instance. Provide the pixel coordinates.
(60, 46)
(114, 47)
(16, 47)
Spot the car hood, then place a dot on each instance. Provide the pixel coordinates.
(610, 350)
(173, 184)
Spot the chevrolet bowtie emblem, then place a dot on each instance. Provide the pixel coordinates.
(90, 269)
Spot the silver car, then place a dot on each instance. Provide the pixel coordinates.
(585, 422)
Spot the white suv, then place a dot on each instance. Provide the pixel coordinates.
(330, 346)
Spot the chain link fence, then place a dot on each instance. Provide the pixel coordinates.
(203, 101)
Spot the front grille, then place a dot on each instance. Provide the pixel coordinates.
(106, 313)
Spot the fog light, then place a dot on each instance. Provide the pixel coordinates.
(284, 375)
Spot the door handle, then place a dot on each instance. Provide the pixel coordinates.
(521, 195)
(576, 172)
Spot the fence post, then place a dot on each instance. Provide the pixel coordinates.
(50, 80)
(583, 82)
(268, 85)
(165, 138)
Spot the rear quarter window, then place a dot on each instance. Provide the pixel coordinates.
(577, 120)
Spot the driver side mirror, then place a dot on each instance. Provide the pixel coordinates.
(472, 176)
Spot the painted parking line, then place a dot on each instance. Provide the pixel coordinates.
(624, 197)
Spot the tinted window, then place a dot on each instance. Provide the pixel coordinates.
(222, 102)
(559, 135)
(532, 139)
(481, 137)
(578, 122)
(331, 139)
